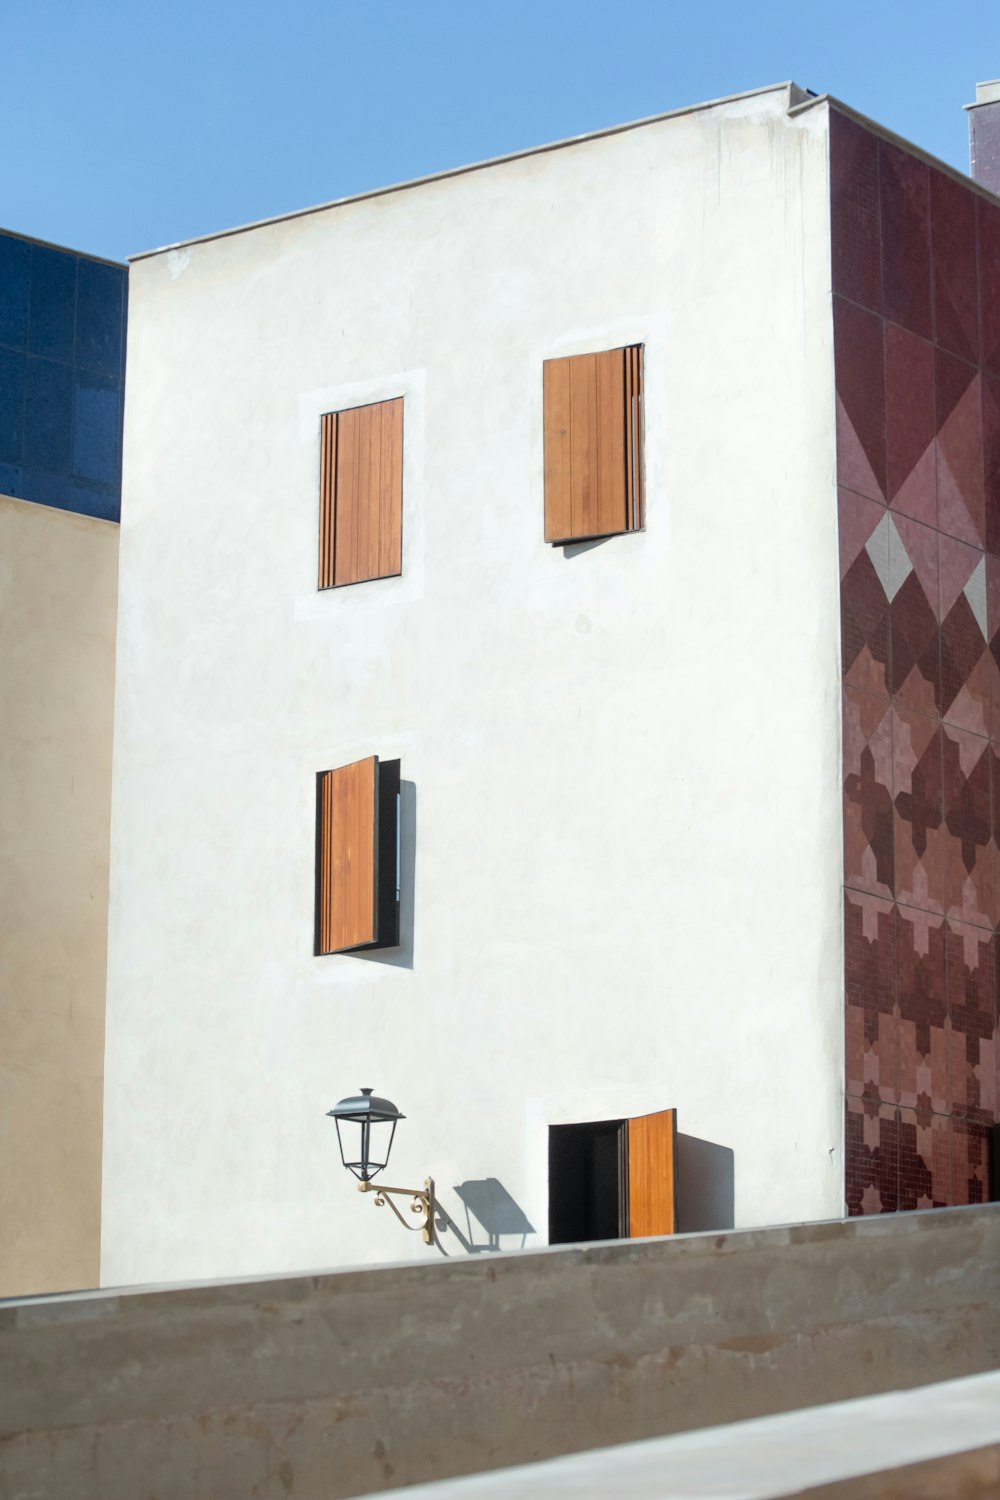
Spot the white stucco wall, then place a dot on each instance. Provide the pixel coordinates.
(625, 761)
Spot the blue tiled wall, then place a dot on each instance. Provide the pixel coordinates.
(62, 377)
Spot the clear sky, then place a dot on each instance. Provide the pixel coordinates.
(127, 124)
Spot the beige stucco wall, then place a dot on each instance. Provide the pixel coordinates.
(58, 589)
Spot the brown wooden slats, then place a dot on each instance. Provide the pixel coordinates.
(629, 414)
(640, 439)
(634, 414)
(606, 450)
(592, 434)
(346, 896)
(361, 494)
(391, 492)
(584, 446)
(557, 422)
(584, 453)
(353, 501)
(327, 492)
(652, 1150)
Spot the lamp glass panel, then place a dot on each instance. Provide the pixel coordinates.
(349, 1139)
(365, 1145)
(380, 1143)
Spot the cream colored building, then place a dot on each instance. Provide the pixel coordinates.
(61, 364)
(58, 589)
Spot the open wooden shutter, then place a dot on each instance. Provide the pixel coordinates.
(593, 444)
(361, 494)
(652, 1175)
(327, 496)
(347, 873)
(634, 428)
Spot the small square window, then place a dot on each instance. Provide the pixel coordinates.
(613, 1179)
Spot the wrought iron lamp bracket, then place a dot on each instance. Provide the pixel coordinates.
(421, 1202)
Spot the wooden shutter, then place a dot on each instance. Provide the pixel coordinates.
(361, 494)
(634, 422)
(652, 1157)
(347, 874)
(327, 496)
(593, 422)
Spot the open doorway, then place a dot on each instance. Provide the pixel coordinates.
(613, 1179)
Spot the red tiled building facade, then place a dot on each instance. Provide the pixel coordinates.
(916, 283)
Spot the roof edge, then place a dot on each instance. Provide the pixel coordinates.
(791, 88)
(32, 239)
(896, 140)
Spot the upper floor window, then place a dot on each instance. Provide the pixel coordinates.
(593, 416)
(361, 494)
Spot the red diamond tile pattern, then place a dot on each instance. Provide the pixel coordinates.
(916, 309)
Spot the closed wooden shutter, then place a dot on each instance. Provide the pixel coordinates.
(347, 875)
(361, 494)
(593, 421)
(652, 1155)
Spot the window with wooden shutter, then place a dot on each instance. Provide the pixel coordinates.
(651, 1188)
(613, 1179)
(357, 857)
(593, 420)
(361, 494)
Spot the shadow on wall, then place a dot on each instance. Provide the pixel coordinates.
(705, 1185)
(490, 1212)
(705, 1201)
(574, 549)
(402, 957)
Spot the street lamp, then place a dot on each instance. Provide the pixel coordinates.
(370, 1143)
(366, 1126)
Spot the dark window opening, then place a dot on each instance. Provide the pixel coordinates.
(588, 1169)
(613, 1179)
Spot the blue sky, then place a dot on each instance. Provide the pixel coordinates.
(128, 125)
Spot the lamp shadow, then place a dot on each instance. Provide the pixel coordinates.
(401, 957)
(487, 1202)
(705, 1185)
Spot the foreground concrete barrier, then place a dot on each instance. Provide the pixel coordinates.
(937, 1442)
(960, 1476)
(332, 1385)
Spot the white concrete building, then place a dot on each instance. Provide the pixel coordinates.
(621, 856)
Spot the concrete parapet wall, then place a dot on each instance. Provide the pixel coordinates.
(341, 1384)
(939, 1440)
(965, 1476)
